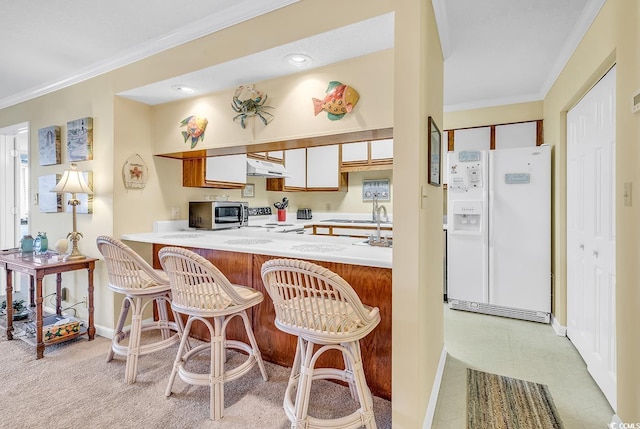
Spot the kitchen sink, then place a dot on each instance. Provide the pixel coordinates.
(388, 242)
(355, 221)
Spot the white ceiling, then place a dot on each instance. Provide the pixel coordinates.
(496, 51)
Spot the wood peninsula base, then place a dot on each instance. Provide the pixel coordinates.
(372, 284)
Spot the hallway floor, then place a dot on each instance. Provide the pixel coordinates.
(519, 349)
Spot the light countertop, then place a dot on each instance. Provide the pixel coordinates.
(271, 241)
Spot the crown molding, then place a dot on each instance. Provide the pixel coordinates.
(493, 102)
(440, 12)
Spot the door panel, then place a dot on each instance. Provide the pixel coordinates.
(591, 279)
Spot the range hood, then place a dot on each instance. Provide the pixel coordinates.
(257, 167)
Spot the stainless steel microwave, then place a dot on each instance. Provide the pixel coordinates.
(218, 214)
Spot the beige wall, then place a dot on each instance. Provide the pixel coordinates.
(82, 100)
(122, 128)
(609, 40)
(349, 201)
(593, 57)
(290, 98)
(417, 265)
(521, 112)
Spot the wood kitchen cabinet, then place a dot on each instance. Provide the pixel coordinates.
(311, 169)
(369, 155)
(271, 156)
(222, 172)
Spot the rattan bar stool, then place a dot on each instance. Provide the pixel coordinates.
(202, 292)
(141, 285)
(321, 308)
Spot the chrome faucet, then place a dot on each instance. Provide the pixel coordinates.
(377, 209)
(374, 208)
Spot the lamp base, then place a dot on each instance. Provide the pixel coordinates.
(72, 257)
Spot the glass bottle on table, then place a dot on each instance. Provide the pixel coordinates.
(41, 243)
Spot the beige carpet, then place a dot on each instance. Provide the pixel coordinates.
(73, 387)
(498, 402)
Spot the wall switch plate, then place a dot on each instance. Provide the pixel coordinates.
(627, 194)
(35, 199)
(175, 213)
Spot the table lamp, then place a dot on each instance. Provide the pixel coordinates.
(73, 182)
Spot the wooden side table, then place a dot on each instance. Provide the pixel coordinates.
(38, 266)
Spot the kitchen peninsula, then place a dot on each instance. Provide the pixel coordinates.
(239, 253)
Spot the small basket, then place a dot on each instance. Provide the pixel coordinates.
(56, 331)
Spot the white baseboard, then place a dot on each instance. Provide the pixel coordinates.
(100, 330)
(435, 389)
(615, 422)
(104, 331)
(560, 330)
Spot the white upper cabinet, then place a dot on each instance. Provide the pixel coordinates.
(472, 139)
(323, 167)
(370, 155)
(311, 169)
(295, 162)
(516, 135)
(227, 168)
(355, 152)
(381, 149)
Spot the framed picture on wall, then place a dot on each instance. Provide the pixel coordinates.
(86, 200)
(433, 148)
(249, 191)
(80, 139)
(49, 145)
(378, 188)
(49, 201)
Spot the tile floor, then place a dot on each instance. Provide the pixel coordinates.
(520, 349)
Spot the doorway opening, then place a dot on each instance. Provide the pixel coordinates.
(14, 190)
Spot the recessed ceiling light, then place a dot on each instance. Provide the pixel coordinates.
(298, 60)
(184, 89)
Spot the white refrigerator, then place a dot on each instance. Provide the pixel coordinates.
(499, 232)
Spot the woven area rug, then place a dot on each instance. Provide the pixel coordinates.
(498, 402)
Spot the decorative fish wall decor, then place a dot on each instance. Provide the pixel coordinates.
(195, 129)
(340, 100)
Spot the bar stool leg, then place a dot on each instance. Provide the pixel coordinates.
(118, 334)
(348, 372)
(133, 353)
(304, 385)
(184, 341)
(254, 345)
(163, 316)
(363, 391)
(217, 370)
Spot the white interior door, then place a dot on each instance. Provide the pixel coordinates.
(14, 192)
(8, 220)
(591, 235)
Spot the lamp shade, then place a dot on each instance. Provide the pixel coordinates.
(72, 182)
